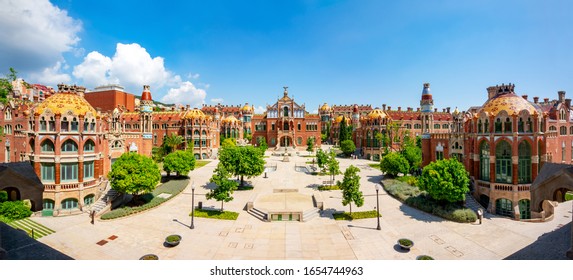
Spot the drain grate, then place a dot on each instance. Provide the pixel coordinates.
(233, 245)
(113, 237)
(101, 242)
(248, 226)
(239, 230)
(454, 251)
(437, 239)
(223, 233)
(249, 245)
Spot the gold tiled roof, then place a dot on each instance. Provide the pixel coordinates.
(510, 102)
(195, 113)
(377, 114)
(61, 103)
(325, 107)
(230, 119)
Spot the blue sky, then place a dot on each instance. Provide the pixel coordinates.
(339, 52)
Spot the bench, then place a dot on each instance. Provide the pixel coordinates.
(328, 183)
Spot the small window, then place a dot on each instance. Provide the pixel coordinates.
(89, 146)
(70, 203)
(47, 146)
(89, 199)
(69, 146)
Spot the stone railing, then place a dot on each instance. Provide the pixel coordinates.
(69, 186)
(49, 187)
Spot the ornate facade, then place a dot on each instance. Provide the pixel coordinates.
(503, 145)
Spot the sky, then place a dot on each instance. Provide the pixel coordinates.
(338, 52)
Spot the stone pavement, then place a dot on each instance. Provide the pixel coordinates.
(319, 239)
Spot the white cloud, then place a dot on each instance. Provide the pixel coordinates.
(34, 34)
(193, 76)
(131, 66)
(217, 100)
(186, 93)
(51, 75)
(259, 110)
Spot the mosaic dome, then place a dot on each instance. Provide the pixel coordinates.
(194, 114)
(61, 103)
(230, 119)
(339, 119)
(377, 114)
(325, 107)
(509, 102)
(247, 108)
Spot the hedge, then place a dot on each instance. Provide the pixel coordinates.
(215, 214)
(355, 215)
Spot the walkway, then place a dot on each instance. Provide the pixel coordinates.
(321, 238)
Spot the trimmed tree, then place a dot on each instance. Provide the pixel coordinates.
(413, 155)
(310, 145)
(321, 159)
(229, 142)
(262, 142)
(445, 180)
(347, 147)
(180, 162)
(394, 163)
(350, 187)
(225, 187)
(171, 142)
(242, 161)
(333, 165)
(134, 174)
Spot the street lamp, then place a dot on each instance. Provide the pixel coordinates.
(192, 205)
(377, 186)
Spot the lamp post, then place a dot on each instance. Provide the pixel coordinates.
(192, 205)
(377, 186)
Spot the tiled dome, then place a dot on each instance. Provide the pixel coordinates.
(194, 114)
(62, 102)
(230, 119)
(509, 102)
(325, 107)
(377, 114)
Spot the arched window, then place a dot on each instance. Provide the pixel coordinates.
(8, 129)
(75, 124)
(8, 114)
(285, 111)
(88, 169)
(484, 161)
(89, 199)
(497, 125)
(368, 138)
(480, 126)
(503, 166)
(445, 126)
(524, 163)
(86, 125)
(69, 146)
(69, 203)
(529, 125)
(89, 146)
(486, 126)
(48, 204)
(520, 125)
(43, 124)
(563, 130)
(69, 172)
(52, 124)
(507, 126)
(65, 124)
(204, 133)
(503, 207)
(196, 133)
(47, 146)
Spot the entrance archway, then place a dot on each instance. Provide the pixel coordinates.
(559, 195)
(484, 200)
(13, 193)
(286, 141)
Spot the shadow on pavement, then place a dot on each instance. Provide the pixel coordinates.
(550, 246)
(419, 215)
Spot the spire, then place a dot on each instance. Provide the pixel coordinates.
(427, 102)
(286, 91)
(146, 95)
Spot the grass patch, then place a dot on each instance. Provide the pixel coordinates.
(374, 165)
(215, 214)
(201, 163)
(416, 198)
(408, 179)
(28, 225)
(328, 188)
(355, 215)
(568, 196)
(173, 187)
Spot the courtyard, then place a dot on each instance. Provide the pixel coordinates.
(321, 238)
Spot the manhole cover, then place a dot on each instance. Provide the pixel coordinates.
(101, 242)
(164, 195)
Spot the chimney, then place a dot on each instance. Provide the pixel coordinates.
(568, 102)
(384, 107)
(187, 107)
(491, 92)
(536, 99)
(524, 96)
(399, 108)
(389, 108)
(418, 109)
(546, 100)
(409, 109)
(435, 110)
(561, 95)
(443, 110)
(448, 109)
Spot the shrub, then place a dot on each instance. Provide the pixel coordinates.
(405, 242)
(410, 180)
(3, 196)
(173, 238)
(393, 164)
(445, 180)
(424, 258)
(347, 147)
(329, 187)
(215, 214)
(14, 210)
(355, 215)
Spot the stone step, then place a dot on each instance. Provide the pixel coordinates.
(258, 214)
(310, 214)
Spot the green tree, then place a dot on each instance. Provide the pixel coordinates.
(229, 142)
(14, 210)
(321, 159)
(3, 196)
(6, 85)
(413, 155)
(350, 187)
(394, 163)
(172, 141)
(180, 162)
(262, 142)
(345, 132)
(347, 147)
(134, 174)
(310, 145)
(333, 165)
(225, 187)
(445, 180)
(242, 161)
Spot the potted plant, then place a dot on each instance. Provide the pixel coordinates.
(173, 240)
(149, 257)
(405, 243)
(424, 258)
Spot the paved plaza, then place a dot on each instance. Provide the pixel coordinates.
(321, 238)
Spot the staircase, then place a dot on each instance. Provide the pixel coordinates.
(110, 195)
(258, 214)
(310, 214)
(471, 203)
